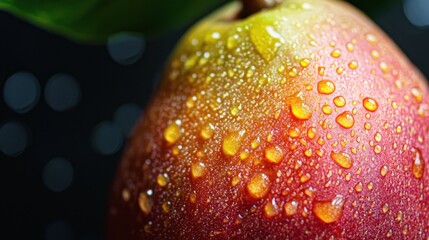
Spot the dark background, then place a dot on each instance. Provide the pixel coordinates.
(42, 198)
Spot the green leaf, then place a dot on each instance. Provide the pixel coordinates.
(96, 20)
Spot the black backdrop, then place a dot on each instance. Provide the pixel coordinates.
(68, 201)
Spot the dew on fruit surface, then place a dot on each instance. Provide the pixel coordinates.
(384, 67)
(418, 164)
(300, 109)
(371, 38)
(198, 170)
(232, 143)
(336, 53)
(340, 70)
(305, 178)
(326, 109)
(311, 132)
(370, 104)
(389, 233)
(244, 155)
(166, 206)
(266, 40)
(370, 186)
(417, 94)
(325, 87)
(232, 41)
(350, 47)
(329, 211)
(321, 71)
(342, 159)
(345, 119)
(291, 208)
(145, 203)
(304, 62)
(294, 132)
(377, 149)
(339, 101)
(271, 208)
(367, 126)
(353, 65)
(385, 208)
(274, 154)
(255, 143)
(258, 186)
(126, 195)
(162, 180)
(375, 54)
(377, 137)
(173, 132)
(236, 180)
(207, 131)
(383, 170)
(193, 197)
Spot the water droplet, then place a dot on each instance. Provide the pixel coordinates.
(326, 109)
(274, 154)
(145, 203)
(345, 119)
(266, 40)
(385, 208)
(207, 131)
(311, 132)
(271, 208)
(294, 132)
(291, 208)
(384, 170)
(198, 170)
(340, 101)
(377, 137)
(162, 180)
(126, 195)
(417, 94)
(358, 187)
(232, 143)
(377, 149)
(166, 206)
(375, 54)
(304, 62)
(329, 211)
(255, 143)
(325, 87)
(371, 38)
(370, 186)
(367, 126)
(235, 180)
(258, 186)
(336, 53)
(232, 41)
(350, 47)
(300, 109)
(172, 133)
(305, 178)
(418, 164)
(342, 159)
(370, 104)
(353, 65)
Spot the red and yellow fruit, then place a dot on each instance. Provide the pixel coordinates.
(303, 121)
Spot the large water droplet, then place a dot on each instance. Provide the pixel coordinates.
(274, 154)
(198, 170)
(370, 104)
(342, 159)
(172, 133)
(325, 87)
(418, 164)
(266, 40)
(145, 203)
(271, 208)
(258, 186)
(232, 143)
(329, 211)
(345, 119)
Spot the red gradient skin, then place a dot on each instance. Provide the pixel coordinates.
(255, 86)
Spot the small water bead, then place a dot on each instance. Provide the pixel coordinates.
(304, 62)
(271, 209)
(291, 208)
(418, 164)
(145, 203)
(340, 101)
(172, 133)
(326, 109)
(274, 154)
(375, 54)
(385, 208)
(258, 186)
(367, 126)
(325, 87)
(198, 170)
(353, 65)
(384, 67)
(336, 53)
(371, 38)
(417, 94)
(300, 109)
(329, 211)
(370, 104)
(377, 149)
(311, 132)
(162, 180)
(207, 131)
(342, 159)
(345, 119)
(305, 178)
(255, 143)
(321, 71)
(350, 47)
(232, 143)
(358, 187)
(383, 170)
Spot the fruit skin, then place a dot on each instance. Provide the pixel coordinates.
(301, 122)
